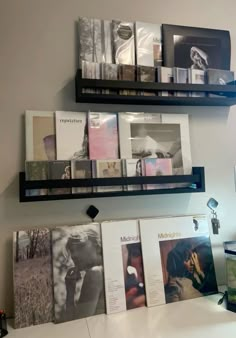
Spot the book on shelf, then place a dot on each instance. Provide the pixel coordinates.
(123, 42)
(40, 136)
(132, 167)
(36, 171)
(103, 136)
(165, 75)
(71, 135)
(123, 266)
(180, 76)
(107, 169)
(177, 258)
(197, 76)
(156, 167)
(81, 169)
(146, 74)
(59, 170)
(219, 77)
(77, 272)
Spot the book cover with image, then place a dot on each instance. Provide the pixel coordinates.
(40, 136)
(77, 272)
(132, 167)
(123, 266)
(59, 170)
(178, 260)
(103, 136)
(106, 169)
(157, 167)
(81, 169)
(71, 135)
(180, 76)
(36, 171)
(123, 42)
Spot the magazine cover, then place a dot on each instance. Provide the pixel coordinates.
(59, 170)
(77, 272)
(180, 76)
(123, 42)
(32, 274)
(148, 44)
(165, 75)
(72, 135)
(197, 77)
(132, 167)
(107, 168)
(157, 167)
(123, 266)
(81, 169)
(103, 136)
(34, 171)
(40, 139)
(177, 258)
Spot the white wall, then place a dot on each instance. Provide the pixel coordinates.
(37, 68)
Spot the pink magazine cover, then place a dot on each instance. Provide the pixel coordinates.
(103, 136)
(157, 167)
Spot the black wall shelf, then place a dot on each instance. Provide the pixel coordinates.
(196, 183)
(226, 94)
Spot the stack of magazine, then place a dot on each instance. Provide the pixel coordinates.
(65, 145)
(73, 272)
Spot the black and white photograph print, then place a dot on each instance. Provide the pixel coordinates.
(196, 48)
(78, 272)
(157, 140)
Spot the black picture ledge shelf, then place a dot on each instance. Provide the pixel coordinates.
(196, 183)
(225, 94)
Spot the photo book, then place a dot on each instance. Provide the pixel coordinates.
(32, 276)
(40, 138)
(36, 171)
(81, 169)
(123, 266)
(177, 258)
(156, 167)
(59, 170)
(131, 168)
(103, 136)
(77, 272)
(107, 169)
(123, 42)
(71, 135)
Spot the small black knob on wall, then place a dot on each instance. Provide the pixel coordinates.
(92, 212)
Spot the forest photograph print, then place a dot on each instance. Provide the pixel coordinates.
(33, 292)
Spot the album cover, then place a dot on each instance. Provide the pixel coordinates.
(103, 136)
(132, 167)
(36, 171)
(107, 168)
(59, 170)
(109, 72)
(165, 75)
(40, 135)
(32, 274)
(126, 73)
(72, 135)
(146, 74)
(157, 167)
(123, 42)
(177, 258)
(91, 70)
(180, 76)
(81, 169)
(123, 266)
(197, 77)
(148, 44)
(219, 77)
(77, 272)
(196, 48)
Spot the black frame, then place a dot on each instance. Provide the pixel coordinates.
(197, 179)
(168, 32)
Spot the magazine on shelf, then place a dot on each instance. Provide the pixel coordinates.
(165, 75)
(123, 266)
(123, 42)
(131, 168)
(156, 167)
(177, 258)
(106, 169)
(155, 135)
(197, 76)
(81, 169)
(71, 135)
(36, 171)
(77, 272)
(59, 170)
(103, 136)
(40, 138)
(148, 44)
(180, 76)
(32, 276)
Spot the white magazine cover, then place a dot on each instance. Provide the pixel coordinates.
(123, 267)
(71, 135)
(177, 258)
(40, 139)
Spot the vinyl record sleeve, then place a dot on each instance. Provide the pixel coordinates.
(106, 169)
(36, 171)
(81, 169)
(123, 42)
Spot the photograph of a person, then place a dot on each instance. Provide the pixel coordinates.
(133, 275)
(188, 268)
(77, 272)
(106, 169)
(157, 140)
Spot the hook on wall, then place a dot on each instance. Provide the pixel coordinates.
(92, 212)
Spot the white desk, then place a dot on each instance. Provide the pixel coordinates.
(197, 318)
